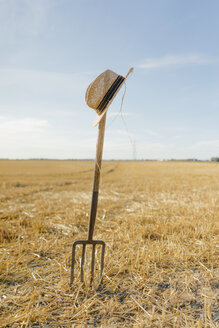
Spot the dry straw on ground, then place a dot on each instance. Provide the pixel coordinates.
(159, 221)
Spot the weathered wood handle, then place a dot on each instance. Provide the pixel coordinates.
(96, 181)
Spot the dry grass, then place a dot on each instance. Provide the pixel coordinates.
(159, 221)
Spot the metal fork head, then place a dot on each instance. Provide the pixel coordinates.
(84, 243)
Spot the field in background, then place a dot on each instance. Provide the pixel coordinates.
(158, 220)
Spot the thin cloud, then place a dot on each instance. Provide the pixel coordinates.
(176, 61)
(204, 149)
(207, 143)
(177, 137)
(23, 18)
(43, 80)
(152, 133)
(113, 114)
(116, 133)
(21, 127)
(10, 127)
(37, 138)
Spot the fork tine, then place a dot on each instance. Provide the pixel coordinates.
(102, 262)
(72, 263)
(82, 262)
(92, 262)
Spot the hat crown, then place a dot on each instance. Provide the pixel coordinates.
(99, 87)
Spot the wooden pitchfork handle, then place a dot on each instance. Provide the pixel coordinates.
(96, 180)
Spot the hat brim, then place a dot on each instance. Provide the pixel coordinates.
(99, 117)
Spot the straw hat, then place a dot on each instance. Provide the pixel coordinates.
(102, 91)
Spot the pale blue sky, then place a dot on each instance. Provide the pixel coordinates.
(50, 50)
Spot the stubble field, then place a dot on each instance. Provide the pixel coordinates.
(158, 219)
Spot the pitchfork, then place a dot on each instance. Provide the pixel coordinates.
(93, 212)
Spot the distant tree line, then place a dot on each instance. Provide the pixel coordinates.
(215, 159)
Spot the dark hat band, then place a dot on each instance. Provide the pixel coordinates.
(110, 93)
